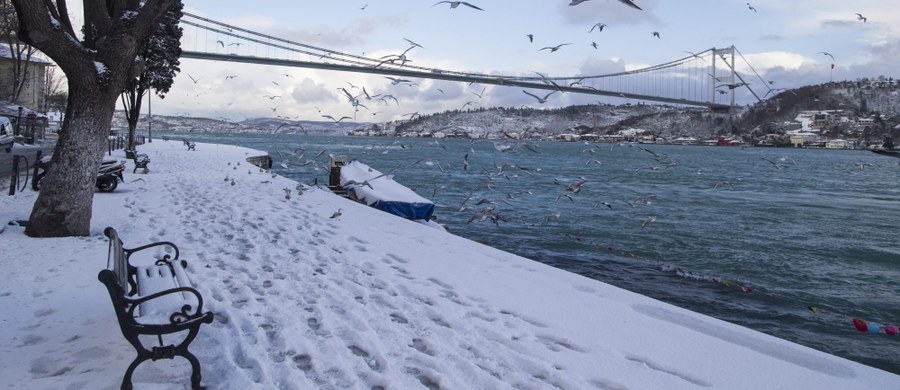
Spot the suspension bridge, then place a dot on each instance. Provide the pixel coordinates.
(704, 79)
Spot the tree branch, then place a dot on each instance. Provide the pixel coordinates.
(62, 14)
(97, 21)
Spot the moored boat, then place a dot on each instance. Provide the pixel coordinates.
(371, 187)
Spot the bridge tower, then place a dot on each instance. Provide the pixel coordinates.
(723, 79)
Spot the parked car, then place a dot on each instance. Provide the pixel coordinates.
(6, 134)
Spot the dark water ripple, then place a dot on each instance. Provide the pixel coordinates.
(820, 231)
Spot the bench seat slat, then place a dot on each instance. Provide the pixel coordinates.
(155, 278)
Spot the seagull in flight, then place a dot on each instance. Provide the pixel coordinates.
(695, 55)
(598, 26)
(539, 99)
(821, 52)
(629, 3)
(554, 48)
(655, 34)
(395, 80)
(413, 43)
(454, 4)
(775, 165)
(530, 37)
(195, 80)
(626, 2)
(752, 8)
(336, 120)
(731, 86)
(860, 17)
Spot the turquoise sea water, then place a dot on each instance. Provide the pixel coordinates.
(716, 230)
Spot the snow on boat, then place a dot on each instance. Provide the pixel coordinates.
(373, 188)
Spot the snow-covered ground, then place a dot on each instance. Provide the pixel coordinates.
(365, 300)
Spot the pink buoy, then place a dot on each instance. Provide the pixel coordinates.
(891, 330)
(860, 325)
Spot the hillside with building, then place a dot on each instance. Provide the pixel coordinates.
(25, 80)
(849, 114)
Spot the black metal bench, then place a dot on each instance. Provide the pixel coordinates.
(140, 160)
(156, 299)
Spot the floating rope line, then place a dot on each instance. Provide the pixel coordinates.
(861, 325)
(681, 272)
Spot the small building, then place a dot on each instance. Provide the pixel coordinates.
(800, 139)
(839, 144)
(819, 121)
(685, 141)
(728, 141)
(34, 89)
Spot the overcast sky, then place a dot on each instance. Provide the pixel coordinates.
(782, 40)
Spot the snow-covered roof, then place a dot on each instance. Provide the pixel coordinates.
(35, 58)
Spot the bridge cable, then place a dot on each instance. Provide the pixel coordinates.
(764, 82)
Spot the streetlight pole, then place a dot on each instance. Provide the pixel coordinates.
(150, 117)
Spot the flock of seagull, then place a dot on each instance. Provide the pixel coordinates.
(484, 201)
(361, 99)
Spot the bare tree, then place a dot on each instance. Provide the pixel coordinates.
(19, 52)
(55, 92)
(160, 56)
(97, 66)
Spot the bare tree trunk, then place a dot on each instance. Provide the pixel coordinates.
(64, 206)
(131, 100)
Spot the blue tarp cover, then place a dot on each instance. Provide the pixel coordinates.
(380, 191)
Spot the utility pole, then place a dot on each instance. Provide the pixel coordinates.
(150, 117)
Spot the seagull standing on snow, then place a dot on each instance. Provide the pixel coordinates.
(454, 4)
(337, 214)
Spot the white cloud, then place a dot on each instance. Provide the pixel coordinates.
(767, 60)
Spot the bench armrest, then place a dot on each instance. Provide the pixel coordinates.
(184, 315)
(130, 251)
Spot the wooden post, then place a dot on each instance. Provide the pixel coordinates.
(14, 176)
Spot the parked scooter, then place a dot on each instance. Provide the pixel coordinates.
(108, 176)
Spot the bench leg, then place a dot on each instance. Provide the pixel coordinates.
(182, 350)
(195, 370)
(126, 381)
